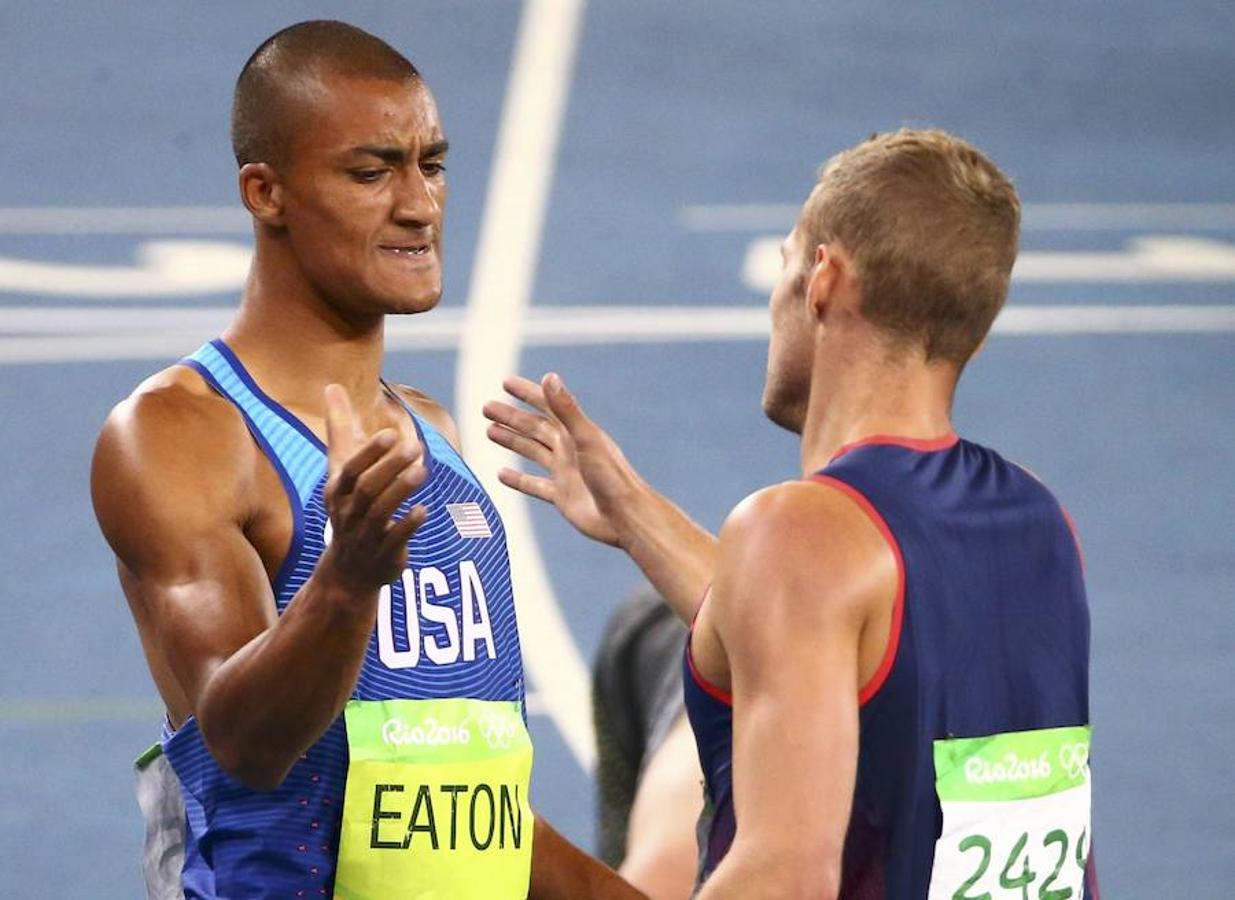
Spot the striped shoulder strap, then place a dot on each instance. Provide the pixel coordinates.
(296, 452)
(437, 448)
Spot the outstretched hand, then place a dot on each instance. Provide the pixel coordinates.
(369, 478)
(587, 476)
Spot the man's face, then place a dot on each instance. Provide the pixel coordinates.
(791, 347)
(364, 192)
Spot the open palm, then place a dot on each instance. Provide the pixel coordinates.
(586, 475)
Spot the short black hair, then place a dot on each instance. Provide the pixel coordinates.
(260, 105)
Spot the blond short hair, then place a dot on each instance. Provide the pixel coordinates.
(932, 225)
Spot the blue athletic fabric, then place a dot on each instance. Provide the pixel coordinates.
(247, 844)
(994, 638)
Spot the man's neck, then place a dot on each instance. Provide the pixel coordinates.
(295, 343)
(861, 399)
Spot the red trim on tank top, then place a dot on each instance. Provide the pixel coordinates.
(872, 687)
(712, 690)
(1067, 516)
(1076, 538)
(922, 445)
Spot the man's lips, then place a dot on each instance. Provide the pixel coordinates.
(407, 249)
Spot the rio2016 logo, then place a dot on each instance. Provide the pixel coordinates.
(426, 733)
(499, 733)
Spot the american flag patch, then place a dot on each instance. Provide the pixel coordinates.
(469, 520)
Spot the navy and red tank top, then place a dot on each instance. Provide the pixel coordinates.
(990, 635)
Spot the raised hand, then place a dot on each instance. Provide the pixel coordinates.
(369, 477)
(587, 477)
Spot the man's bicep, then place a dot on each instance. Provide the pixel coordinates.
(197, 587)
(795, 733)
(791, 621)
(202, 609)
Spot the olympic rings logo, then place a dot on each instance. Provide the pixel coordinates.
(1074, 758)
(499, 733)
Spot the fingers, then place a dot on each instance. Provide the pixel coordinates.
(562, 403)
(400, 531)
(388, 473)
(341, 426)
(531, 450)
(528, 424)
(526, 390)
(532, 485)
(397, 489)
(349, 470)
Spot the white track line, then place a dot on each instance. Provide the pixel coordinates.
(125, 220)
(779, 217)
(74, 334)
(112, 709)
(69, 220)
(501, 287)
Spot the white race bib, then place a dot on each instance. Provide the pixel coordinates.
(1016, 816)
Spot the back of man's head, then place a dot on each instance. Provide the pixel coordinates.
(272, 82)
(932, 225)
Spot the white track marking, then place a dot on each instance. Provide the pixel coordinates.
(73, 334)
(152, 220)
(96, 709)
(779, 217)
(1095, 319)
(161, 220)
(502, 277)
(176, 268)
(1150, 259)
(1157, 258)
(1131, 216)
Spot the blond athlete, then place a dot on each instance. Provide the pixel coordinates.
(887, 673)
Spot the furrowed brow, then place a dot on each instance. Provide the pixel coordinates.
(395, 156)
(390, 155)
(437, 148)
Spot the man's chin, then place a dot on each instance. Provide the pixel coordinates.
(780, 411)
(410, 304)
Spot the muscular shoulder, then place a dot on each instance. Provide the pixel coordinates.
(812, 542)
(431, 411)
(172, 415)
(172, 444)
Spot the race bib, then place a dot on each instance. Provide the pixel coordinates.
(436, 804)
(1016, 816)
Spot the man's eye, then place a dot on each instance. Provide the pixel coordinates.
(433, 168)
(367, 176)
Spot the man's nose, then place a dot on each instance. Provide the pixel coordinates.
(417, 201)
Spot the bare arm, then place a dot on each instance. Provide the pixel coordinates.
(800, 572)
(594, 487)
(172, 483)
(661, 855)
(561, 871)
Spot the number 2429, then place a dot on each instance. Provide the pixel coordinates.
(1025, 876)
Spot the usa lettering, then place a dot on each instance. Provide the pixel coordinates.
(484, 816)
(465, 629)
(441, 625)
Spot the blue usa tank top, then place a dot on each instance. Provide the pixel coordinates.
(446, 629)
(990, 642)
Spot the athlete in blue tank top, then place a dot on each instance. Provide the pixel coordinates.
(888, 678)
(320, 584)
(445, 629)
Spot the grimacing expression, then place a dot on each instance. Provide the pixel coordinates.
(786, 389)
(364, 194)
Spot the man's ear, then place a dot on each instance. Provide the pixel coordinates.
(261, 191)
(821, 282)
